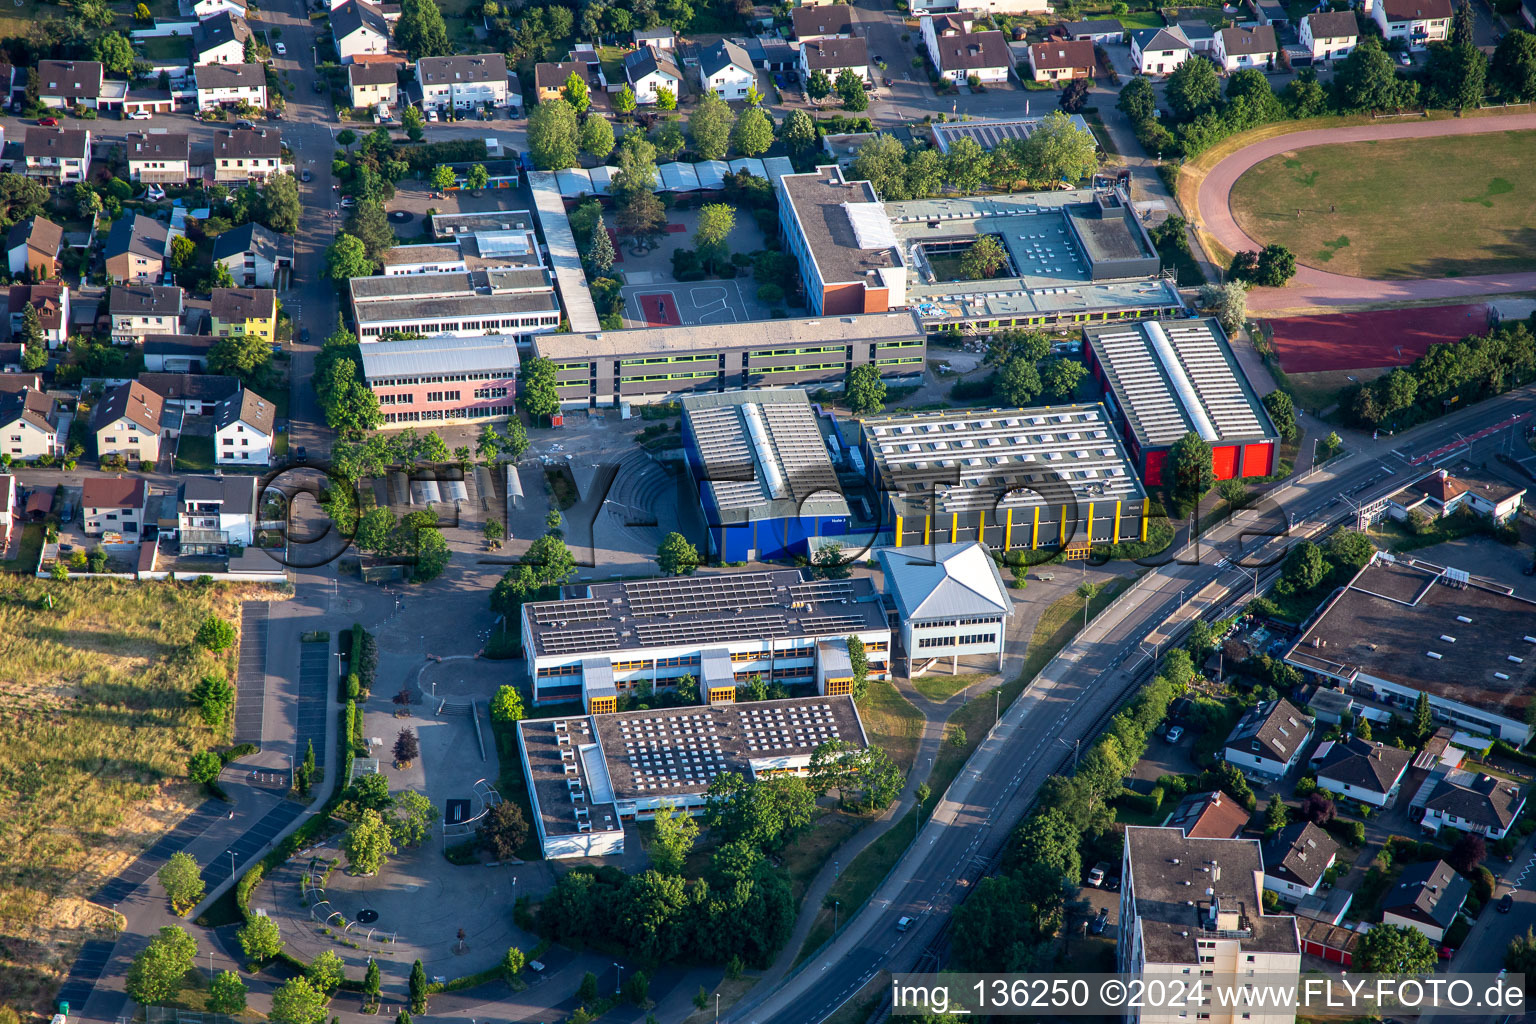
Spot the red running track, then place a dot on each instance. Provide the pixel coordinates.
(1362, 341)
(659, 310)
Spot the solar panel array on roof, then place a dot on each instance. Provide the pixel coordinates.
(989, 134)
(570, 610)
(801, 451)
(672, 751)
(707, 631)
(1141, 385)
(1214, 379)
(776, 729)
(734, 592)
(577, 641)
(793, 464)
(728, 457)
(825, 625)
(821, 590)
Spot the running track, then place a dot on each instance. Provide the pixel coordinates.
(1317, 288)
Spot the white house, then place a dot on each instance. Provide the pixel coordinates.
(215, 512)
(208, 8)
(1296, 859)
(69, 83)
(726, 70)
(358, 28)
(228, 85)
(243, 430)
(1441, 494)
(158, 157)
(1416, 22)
(662, 37)
(647, 70)
(140, 310)
(220, 39)
(1060, 60)
(834, 56)
(29, 425)
(61, 155)
(1268, 739)
(463, 82)
(1158, 51)
(371, 83)
(951, 599)
(113, 505)
(922, 7)
(1473, 803)
(1238, 48)
(1361, 770)
(248, 154)
(1426, 898)
(51, 301)
(831, 22)
(257, 257)
(1331, 35)
(959, 53)
(1098, 31)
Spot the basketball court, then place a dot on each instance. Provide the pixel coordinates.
(678, 305)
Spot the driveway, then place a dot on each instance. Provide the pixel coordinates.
(1316, 288)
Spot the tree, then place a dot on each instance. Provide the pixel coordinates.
(407, 747)
(1018, 382)
(1229, 302)
(537, 391)
(983, 258)
(765, 813)
(1423, 720)
(1468, 853)
(326, 972)
(1513, 71)
(1276, 266)
(239, 355)
(1193, 89)
(596, 137)
(850, 89)
(114, 52)
(507, 705)
(1317, 808)
(1190, 469)
(347, 258)
(641, 215)
(142, 14)
(576, 93)
(418, 988)
(1074, 97)
(882, 161)
(624, 101)
(297, 1001)
(710, 125)
(1305, 96)
(260, 938)
(443, 177)
(966, 165)
(214, 695)
(587, 990)
(676, 556)
(414, 123)
(666, 98)
(346, 138)
(798, 131)
(1061, 377)
(1138, 101)
(156, 973)
(553, 135)
(829, 562)
(182, 882)
(204, 767)
(668, 139)
(716, 221)
(1057, 150)
(865, 389)
(1366, 79)
(1459, 75)
(753, 132)
(1395, 949)
(1462, 24)
(368, 843)
(819, 86)
(600, 252)
(858, 661)
(673, 839)
(1282, 411)
(1276, 815)
(421, 32)
(502, 831)
(226, 994)
(413, 819)
(512, 964)
(1047, 839)
(637, 988)
(280, 208)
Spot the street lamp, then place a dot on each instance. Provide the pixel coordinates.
(835, 905)
(618, 970)
(1075, 744)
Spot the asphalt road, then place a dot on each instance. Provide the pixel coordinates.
(1071, 697)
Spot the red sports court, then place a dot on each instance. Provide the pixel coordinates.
(659, 310)
(1362, 341)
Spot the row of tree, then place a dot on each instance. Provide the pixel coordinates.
(1469, 370)
(560, 130)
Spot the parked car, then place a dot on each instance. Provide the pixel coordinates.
(281, 50)
(1506, 903)
(301, 454)
(140, 115)
(306, 176)
(304, 335)
(1100, 921)
(347, 202)
(1407, 60)
(903, 924)
(47, 122)
(319, 85)
(1175, 734)
(1096, 876)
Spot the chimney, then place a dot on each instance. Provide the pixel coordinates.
(1215, 871)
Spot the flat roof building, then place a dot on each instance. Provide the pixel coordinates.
(518, 301)
(661, 364)
(1165, 379)
(990, 133)
(589, 774)
(1052, 477)
(1402, 627)
(465, 252)
(763, 474)
(443, 379)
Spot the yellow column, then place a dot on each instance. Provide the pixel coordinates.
(898, 531)
(1089, 538)
(1116, 539)
(927, 530)
(1008, 532)
(1034, 535)
(1143, 522)
(954, 526)
(1063, 541)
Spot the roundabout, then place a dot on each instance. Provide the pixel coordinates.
(1224, 204)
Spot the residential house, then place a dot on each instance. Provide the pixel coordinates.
(33, 246)
(211, 8)
(138, 311)
(243, 430)
(247, 154)
(69, 83)
(220, 39)
(1238, 48)
(244, 311)
(1415, 22)
(1098, 31)
(1201, 35)
(29, 425)
(229, 85)
(1159, 51)
(257, 257)
(1474, 803)
(662, 37)
(959, 53)
(112, 504)
(160, 158)
(726, 70)
(359, 28)
(57, 155)
(126, 422)
(1361, 770)
(1268, 12)
(177, 353)
(985, 7)
(135, 249)
(1440, 494)
(8, 507)
(834, 56)
(1296, 859)
(214, 513)
(191, 394)
(550, 78)
(1268, 739)
(371, 83)
(834, 22)
(1194, 905)
(464, 82)
(1330, 35)
(1060, 61)
(15, 383)
(52, 304)
(648, 70)
(1426, 898)
(951, 599)
(1212, 815)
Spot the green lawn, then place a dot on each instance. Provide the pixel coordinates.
(1399, 215)
(164, 49)
(28, 552)
(195, 453)
(892, 722)
(939, 686)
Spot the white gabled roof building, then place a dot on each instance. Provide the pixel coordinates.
(951, 600)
